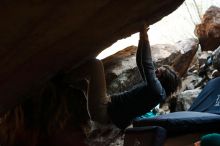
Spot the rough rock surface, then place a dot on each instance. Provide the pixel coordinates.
(190, 82)
(208, 31)
(202, 56)
(40, 38)
(182, 62)
(216, 59)
(186, 98)
(121, 70)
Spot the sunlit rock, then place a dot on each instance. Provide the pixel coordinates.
(121, 70)
(186, 98)
(190, 82)
(208, 31)
(182, 62)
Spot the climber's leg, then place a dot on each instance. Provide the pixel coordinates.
(93, 72)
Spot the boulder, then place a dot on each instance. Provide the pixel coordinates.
(202, 57)
(180, 100)
(216, 59)
(182, 62)
(208, 31)
(41, 38)
(165, 54)
(121, 70)
(186, 98)
(190, 82)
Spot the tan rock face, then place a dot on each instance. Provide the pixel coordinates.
(208, 31)
(41, 38)
(121, 70)
(189, 48)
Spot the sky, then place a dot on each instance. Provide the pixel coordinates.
(177, 26)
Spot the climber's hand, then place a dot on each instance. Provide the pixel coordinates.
(143, 32)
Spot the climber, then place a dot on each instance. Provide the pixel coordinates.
(121, 108)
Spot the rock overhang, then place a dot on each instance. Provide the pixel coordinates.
(41, 38)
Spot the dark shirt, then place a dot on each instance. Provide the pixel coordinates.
(141, 98)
